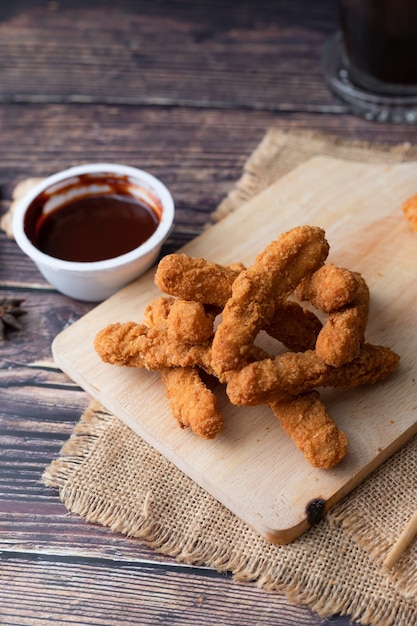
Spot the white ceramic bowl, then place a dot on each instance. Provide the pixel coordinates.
(95, 281)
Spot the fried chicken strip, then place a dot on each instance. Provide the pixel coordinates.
(195, 279)
(343, 334)
(306, 420)
(190, 322)
(257, 290)
(136, 345)
(157, 311)
(329, 288)
(185, 321)
(297, 373)
(130, 344)
(192, 403)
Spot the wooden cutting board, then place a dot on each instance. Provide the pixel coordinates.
(252, 467)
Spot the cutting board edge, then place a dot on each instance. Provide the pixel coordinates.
(279, 536)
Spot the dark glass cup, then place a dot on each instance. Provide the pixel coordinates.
(380, 44)
(371, 62)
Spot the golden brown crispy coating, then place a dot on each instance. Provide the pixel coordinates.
(184, 320)
(157, 311)
(131, 344)
(295, 327)
(410, 211)
(189, 322)
(343, 334)
(329, 288)
(257, 291)
(195, 279)
(191, 402)
(296, 373)
(306, 420)
(136, 345)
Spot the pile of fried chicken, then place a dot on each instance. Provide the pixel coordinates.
(208, 323)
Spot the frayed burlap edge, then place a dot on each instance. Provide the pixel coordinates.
(375, 522)
(307, 571)
(281, 151)
(85, 434)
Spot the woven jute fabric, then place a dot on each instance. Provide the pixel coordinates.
(108, 475)
(279, 152)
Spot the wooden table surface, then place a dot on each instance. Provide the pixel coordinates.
(185, 89)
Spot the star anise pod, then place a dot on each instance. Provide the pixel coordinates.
(10, 312)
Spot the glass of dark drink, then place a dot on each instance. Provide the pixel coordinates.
(371, 62)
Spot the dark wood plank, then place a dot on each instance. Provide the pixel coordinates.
(199, 154)
(206, 54)
(100, 592)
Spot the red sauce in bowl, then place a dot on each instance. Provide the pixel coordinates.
(92, 227)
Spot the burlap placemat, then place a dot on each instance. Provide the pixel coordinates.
(108, 475)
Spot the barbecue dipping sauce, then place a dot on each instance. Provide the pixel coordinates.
(93, 227)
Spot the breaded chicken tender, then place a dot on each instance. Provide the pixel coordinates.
(329, 288)
(187, 321)
(136, 345)
(192, 403)
(306, 420)
(157, 311)
(130, 344)
(297, 373)
(256, 292)
(195, 279)
(343, 334)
